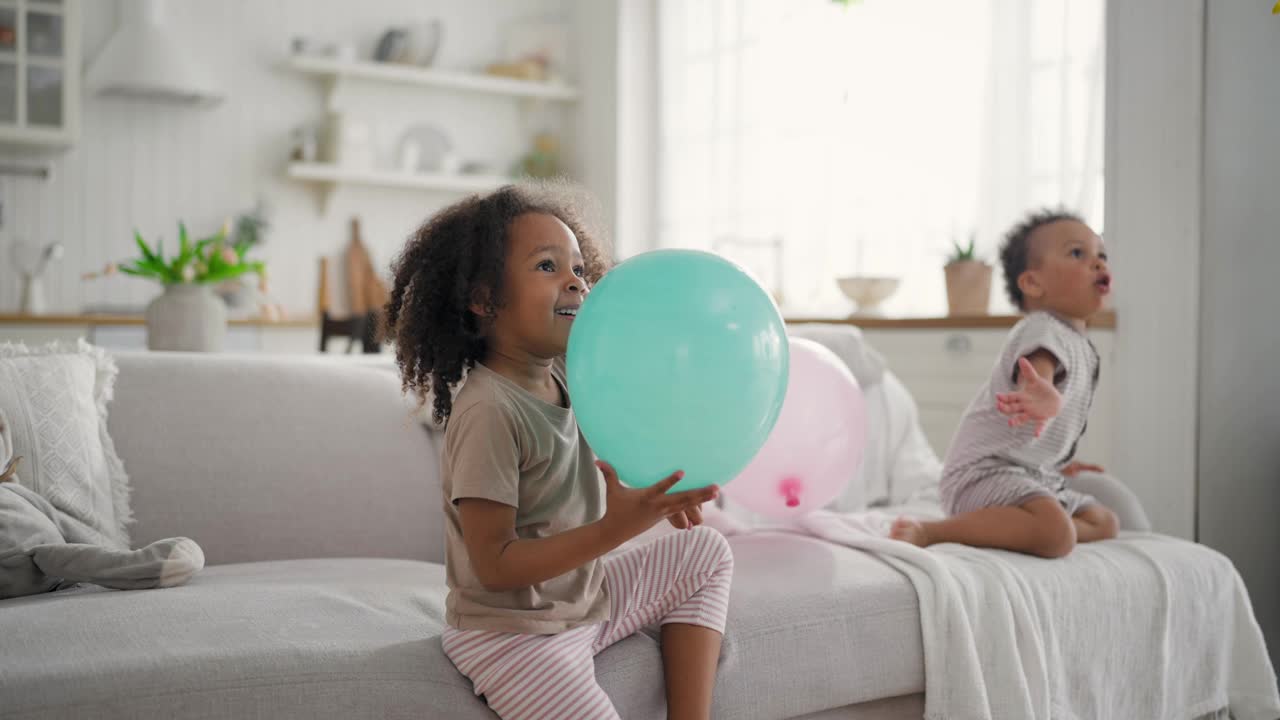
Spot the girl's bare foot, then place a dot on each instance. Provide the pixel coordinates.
(909, 530)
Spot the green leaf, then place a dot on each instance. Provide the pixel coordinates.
(154, 266)
(226, 272)
(202, 245)
(142, 245)
(171, 272)
(216, 263)
(186, 251)
(140, 272)
(963, 253)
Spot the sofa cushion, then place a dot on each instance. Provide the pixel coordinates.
(811, 626)
(55, 400)
(302, 639)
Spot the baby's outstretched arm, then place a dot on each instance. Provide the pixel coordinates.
(1036, 399)
(504, 561)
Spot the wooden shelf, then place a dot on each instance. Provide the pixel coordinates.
(342, 74)
(334, 69)
(331, 176)
(1103, 320)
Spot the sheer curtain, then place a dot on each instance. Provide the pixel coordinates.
(811, 140)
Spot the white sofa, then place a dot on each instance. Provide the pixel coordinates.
(316, 499)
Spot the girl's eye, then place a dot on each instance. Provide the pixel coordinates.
(579, 270)
(547, 265)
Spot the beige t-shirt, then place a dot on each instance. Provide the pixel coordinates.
(505, 445)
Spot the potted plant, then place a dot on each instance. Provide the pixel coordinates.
(187, 316)
(968, 280)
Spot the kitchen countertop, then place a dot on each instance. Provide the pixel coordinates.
(1103, 320)
(105, 319)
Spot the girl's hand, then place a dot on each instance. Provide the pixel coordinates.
(687, 519)
(630, 511)
(1036, 401)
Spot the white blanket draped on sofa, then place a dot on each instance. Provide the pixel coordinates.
(1144, 626)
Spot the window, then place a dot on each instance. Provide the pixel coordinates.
(810, 140)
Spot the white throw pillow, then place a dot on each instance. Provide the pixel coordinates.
(55, 398)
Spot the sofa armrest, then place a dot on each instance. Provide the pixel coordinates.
(1115, 495)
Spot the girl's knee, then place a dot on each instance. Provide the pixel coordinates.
(1055, 545)
(1057, 540)
(714, 544)
(1054, 531)
(1057, 537)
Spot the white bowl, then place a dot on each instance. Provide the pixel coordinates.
(868, 292)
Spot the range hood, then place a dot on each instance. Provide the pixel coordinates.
(143, 61)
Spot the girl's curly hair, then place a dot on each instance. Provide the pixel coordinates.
(1015, 252)
(455, 260)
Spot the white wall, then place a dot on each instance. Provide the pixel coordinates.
(147, 166)
(1239, 333)
(637, 127)
(1155, 63)
(595, 131)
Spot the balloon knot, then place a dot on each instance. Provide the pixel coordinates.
(790, 489)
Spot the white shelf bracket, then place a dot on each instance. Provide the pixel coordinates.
(336, 91)
(327, 191)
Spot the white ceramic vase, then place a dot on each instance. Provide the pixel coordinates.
(186, 318)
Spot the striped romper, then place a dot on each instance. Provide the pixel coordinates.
(529, 651)
(992, 464)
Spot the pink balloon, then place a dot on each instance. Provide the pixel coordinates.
(816, 445)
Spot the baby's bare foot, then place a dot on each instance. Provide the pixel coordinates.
(909, 530)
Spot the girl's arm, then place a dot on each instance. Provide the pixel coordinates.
(503, 561)
(1036, 399)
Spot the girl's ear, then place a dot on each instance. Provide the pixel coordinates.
(480, 302)
(1030, 285)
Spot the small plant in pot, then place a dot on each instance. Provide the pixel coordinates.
(187, 316)
(968, 280)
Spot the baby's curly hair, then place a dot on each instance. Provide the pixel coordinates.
(1015, 252)
(456, 259)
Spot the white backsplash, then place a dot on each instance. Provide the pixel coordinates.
(146, 166)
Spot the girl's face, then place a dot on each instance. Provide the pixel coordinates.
(1070, 274)
(543, 287)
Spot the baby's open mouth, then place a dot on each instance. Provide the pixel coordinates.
(1103, 284)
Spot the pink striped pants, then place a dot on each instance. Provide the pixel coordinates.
(680, 578)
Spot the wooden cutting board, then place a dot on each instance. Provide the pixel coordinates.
(365, 289)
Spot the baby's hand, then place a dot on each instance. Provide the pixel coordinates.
(1075, 468)
(1037, 401)
(631, 511)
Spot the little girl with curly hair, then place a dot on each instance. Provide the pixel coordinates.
(489, 288)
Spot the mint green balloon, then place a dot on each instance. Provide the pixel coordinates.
(677, 361)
